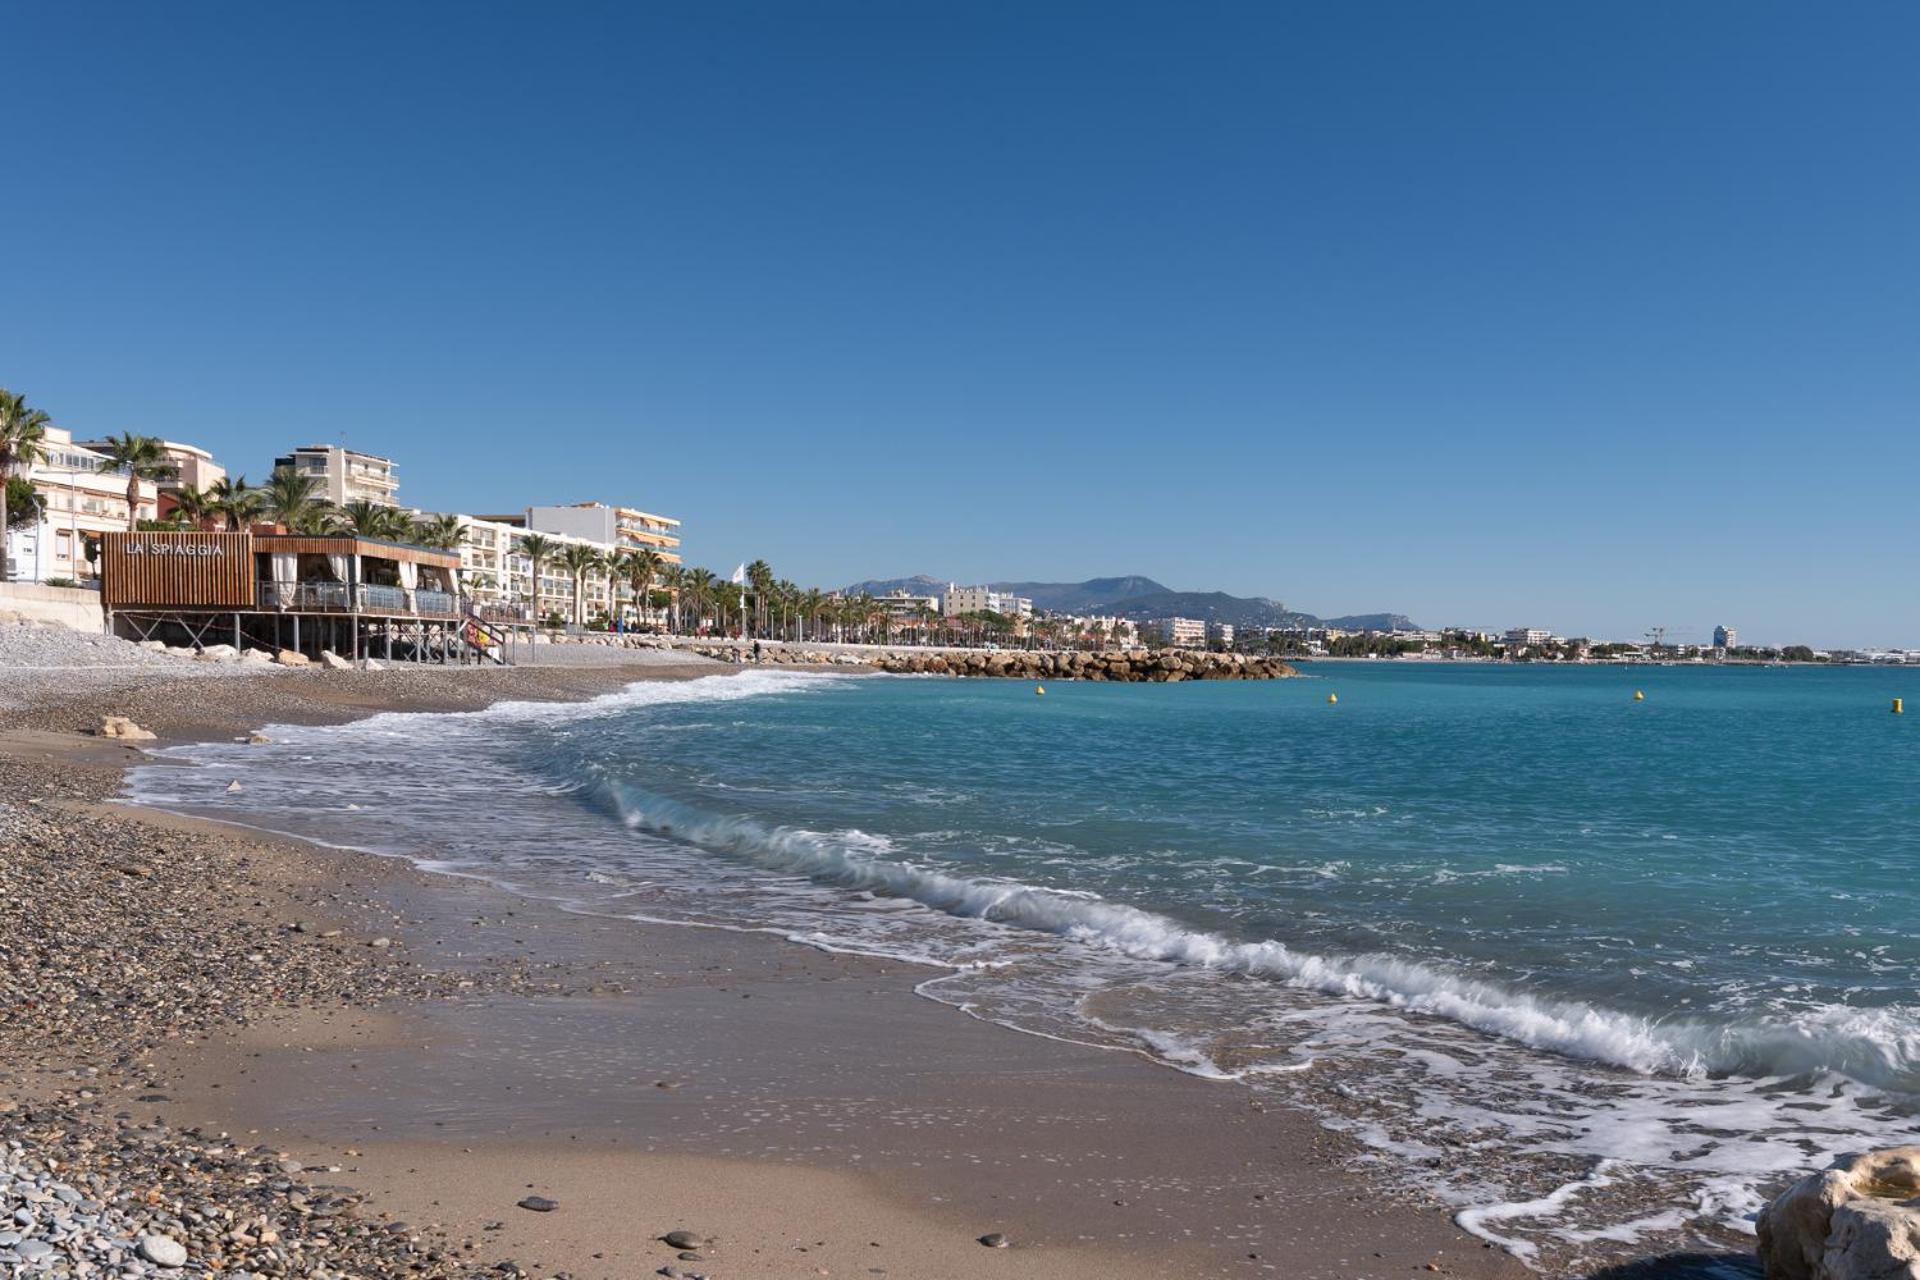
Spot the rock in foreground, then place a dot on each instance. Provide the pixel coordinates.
(1859, 1220)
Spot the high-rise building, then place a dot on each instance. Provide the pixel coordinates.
(621, 528)
(345, 475)
(1726, 638)
(960, 601)
(1181, 633)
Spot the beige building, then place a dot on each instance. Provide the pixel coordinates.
(622, 528)
(345, 475)
(82, 502)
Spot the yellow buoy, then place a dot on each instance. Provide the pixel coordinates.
(1639, 696)
(1039, 691)
(1332, 698)
(1899, 708)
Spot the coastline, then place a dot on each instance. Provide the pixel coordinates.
(813, 1095)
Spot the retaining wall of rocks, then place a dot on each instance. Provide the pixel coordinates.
(1124, 665)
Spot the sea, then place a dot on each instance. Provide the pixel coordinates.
(1599, 972)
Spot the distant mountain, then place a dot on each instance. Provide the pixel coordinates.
(1140, 598)
(1372, 622)
(1091, 596)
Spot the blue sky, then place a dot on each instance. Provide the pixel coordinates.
(1592, 317)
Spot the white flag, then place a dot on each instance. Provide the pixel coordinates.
(739, 577)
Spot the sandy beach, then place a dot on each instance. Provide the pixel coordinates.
(299, 1060)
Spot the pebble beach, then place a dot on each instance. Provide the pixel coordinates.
(233, 1055)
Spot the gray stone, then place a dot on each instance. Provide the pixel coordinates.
(539, 1204)
(162, 1251)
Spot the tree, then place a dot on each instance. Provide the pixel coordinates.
(539, 549)
(142, 458)
(22, 502)
(194, 507)
(442, 532)
(23, 436)
(365, 519)
(580, 560)
(287, 499)
(640, 568)
(235, 499)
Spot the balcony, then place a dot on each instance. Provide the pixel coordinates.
(334, 597)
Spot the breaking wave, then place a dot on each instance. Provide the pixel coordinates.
(1876, 1047)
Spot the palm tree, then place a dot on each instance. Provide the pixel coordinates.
(442, 532)
(194, 506)
(23, 435)
(698, 587)
(539, 549)
(365, 519)
(235, 499)
(142, 458)
(287, 498)
(640, 568)
(760, 576)
(581, 559)
(673, 579)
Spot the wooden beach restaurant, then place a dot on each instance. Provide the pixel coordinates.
(356, 597)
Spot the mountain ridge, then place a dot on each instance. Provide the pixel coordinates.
(1139, 597)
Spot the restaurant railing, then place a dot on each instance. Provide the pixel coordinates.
(335, 597)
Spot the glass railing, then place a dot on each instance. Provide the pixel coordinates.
(334, 597)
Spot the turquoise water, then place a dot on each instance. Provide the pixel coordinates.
(1658, 952)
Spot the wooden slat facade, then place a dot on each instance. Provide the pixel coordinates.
(179, 570)
(339, 545)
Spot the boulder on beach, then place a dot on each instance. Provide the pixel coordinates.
(217, 653)
(1858, 1220)
(124, 729)
(288, 658)
(334, 662)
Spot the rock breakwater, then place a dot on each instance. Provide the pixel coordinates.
(1136, 666)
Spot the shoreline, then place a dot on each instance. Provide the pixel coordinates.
(830, 1161)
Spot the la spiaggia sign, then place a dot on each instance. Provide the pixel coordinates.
(205, 549)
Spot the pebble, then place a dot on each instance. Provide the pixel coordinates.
(163, 1251)
(995, 1240)
(539, 1204)
(685, 1240)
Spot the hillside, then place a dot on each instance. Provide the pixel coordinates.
(1133, 596)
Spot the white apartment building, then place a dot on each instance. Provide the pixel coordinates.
(498, 575)
(1181, 633)
(622, 528)
(964, 600)
(345, 475)
(1220, 633)
(1528, 637)
(194, 468)
(82, 502)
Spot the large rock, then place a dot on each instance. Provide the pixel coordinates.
(217, 653)
(289, 658)
(334, 662)
(124, 729)
(1858, 1220)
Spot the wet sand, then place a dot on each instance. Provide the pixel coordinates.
(806, 1112)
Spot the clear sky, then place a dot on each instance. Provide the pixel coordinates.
(1589, 317)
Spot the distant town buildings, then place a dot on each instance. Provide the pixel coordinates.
(1180, 633)
(1528, 638)
(345, 475)
(961, 601)
(1726, 638)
